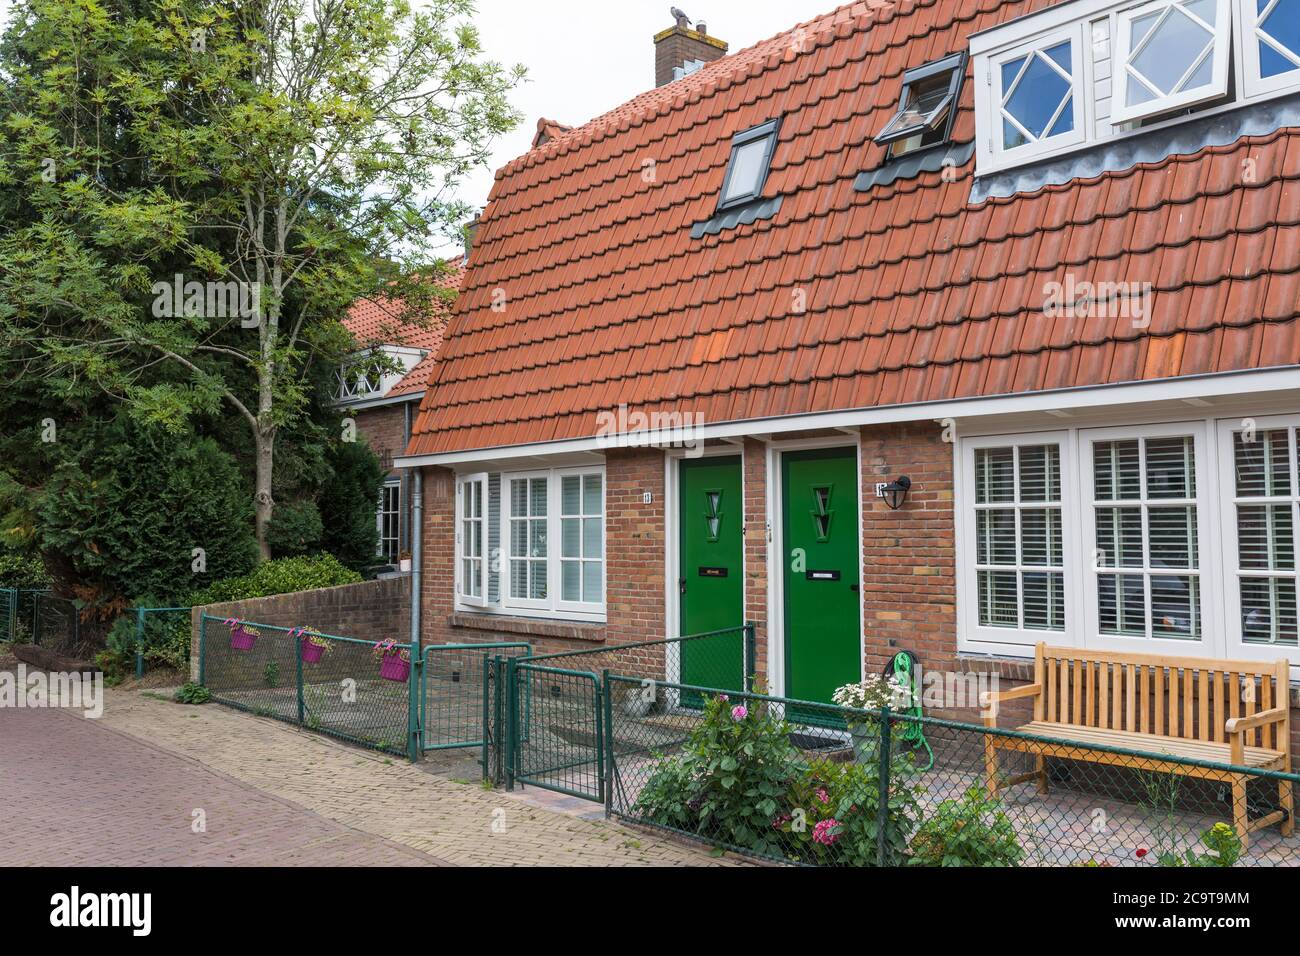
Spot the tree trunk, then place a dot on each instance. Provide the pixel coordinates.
(263, 501)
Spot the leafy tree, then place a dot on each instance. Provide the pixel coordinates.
(295, 529)
(347, 504)
(126, 510)
(291, 156)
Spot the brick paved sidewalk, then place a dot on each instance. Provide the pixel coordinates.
(384, 797)
(77, 793)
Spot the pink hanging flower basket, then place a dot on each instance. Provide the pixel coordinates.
(312, 653)
(242, 638)
(392, 667)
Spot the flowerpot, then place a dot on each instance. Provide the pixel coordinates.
(393, 668)
(241, 640)
(404, 565)
(866, 742)
(312, 653)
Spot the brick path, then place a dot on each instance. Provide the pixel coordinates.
(138, 764)
(77, 793)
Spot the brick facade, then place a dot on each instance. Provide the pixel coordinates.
(384, 430)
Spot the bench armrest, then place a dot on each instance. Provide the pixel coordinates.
(991, 699)
(1273, 716)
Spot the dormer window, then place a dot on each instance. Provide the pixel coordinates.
(751, 160)
(1090, 72)
(926, 106)
(1173, 54)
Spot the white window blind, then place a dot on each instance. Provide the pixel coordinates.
(1266, 503)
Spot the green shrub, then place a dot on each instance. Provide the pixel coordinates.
(166, 636)
(1222, 842)
(347, 504)
(284, 576)
(972, 831)
(740, 781)
(18, 570)
(295, 529)
(192, 693)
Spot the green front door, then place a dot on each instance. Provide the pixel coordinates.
(710, 580)
(820, 540)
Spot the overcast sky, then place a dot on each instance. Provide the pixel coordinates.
(584, 57)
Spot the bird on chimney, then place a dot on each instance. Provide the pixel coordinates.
(681, 18)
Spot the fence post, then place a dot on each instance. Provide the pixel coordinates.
(139, 643)
(203, 646)
(486, 731)
(751, 656)
(36, 619)
(512, 713)
(415, 703)
(882, 810)
(607, 746)
(297, 666)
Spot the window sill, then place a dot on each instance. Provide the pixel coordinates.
(529, 627)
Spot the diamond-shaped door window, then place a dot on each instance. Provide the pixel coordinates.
(713, 514)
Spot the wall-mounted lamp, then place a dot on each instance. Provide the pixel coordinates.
(895, 492)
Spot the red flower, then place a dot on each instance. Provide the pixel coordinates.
(1141, 852)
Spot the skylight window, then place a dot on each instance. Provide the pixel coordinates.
(751, 160)
(926, 106)
(1172, 54)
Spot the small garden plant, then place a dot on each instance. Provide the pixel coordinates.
(972, 831)
(193, 693)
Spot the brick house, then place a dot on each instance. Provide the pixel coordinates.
(384, 403)
(948, 326)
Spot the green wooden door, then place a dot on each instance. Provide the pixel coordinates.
(710, 580)
(822, 612)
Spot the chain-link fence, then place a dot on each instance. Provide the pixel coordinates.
(160, 637)
(814, 784)
(56, 624)
(454, 703)
(356, 690)
(547, 721)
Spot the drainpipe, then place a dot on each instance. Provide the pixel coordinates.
(416, 744)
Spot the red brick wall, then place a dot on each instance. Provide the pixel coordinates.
(384, 429)
(755, 466)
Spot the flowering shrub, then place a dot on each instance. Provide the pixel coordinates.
(390, 648)
(972, 831)
(740, 781)
(874, 692)
(1220, 840)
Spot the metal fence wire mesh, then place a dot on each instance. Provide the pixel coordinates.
(332, 685)
(814, 784)
(452, 712)
(56, 624)
(553, 704)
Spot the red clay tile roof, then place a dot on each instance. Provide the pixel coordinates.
(912, 292)
(375, 322)
(547, 130)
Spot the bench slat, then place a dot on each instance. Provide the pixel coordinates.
(1167, 746)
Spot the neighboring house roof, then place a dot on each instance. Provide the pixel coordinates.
(912, 292)
(378, 322)
(547, 130)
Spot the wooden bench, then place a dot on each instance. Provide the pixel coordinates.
(1176, 706)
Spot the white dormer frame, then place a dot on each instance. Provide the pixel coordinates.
(351, 388)
(1126, 74)
(1080, 79)
(1252, 35)
(1098, 21)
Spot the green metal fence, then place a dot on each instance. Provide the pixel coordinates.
(454, 700)
(773, 778)
(56, 624)
(549, 720)
(333, 685)
(18, 613)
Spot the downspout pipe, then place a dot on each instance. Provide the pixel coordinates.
(417, 652)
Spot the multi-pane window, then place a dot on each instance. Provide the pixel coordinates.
(582, 539)
(529, 507)
(545, 531)
(1272, 44)
(389, 520)
(1038, 95)
(471, 539)
(1266, 504)
(1171, 54)
(1147, 560)
(1019, 552)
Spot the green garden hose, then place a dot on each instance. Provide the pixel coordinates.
(902, 667)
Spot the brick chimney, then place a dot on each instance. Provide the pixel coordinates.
(680, 51)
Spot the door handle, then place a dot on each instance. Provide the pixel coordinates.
(854, 588)
(681, 585)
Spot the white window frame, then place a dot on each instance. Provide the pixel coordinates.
(389, 485)
(1080, 99)
(508, 517)
(1205, 571)
(1256, 85)
(553, 607)
(1232, 571)
(1218, 87)
(473, 600)
(558, 531)
(976, 637)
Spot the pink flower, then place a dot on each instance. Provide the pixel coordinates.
(724, 698)
(822, 795)
(739, 713)
(1141, 852)
(824, 832)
